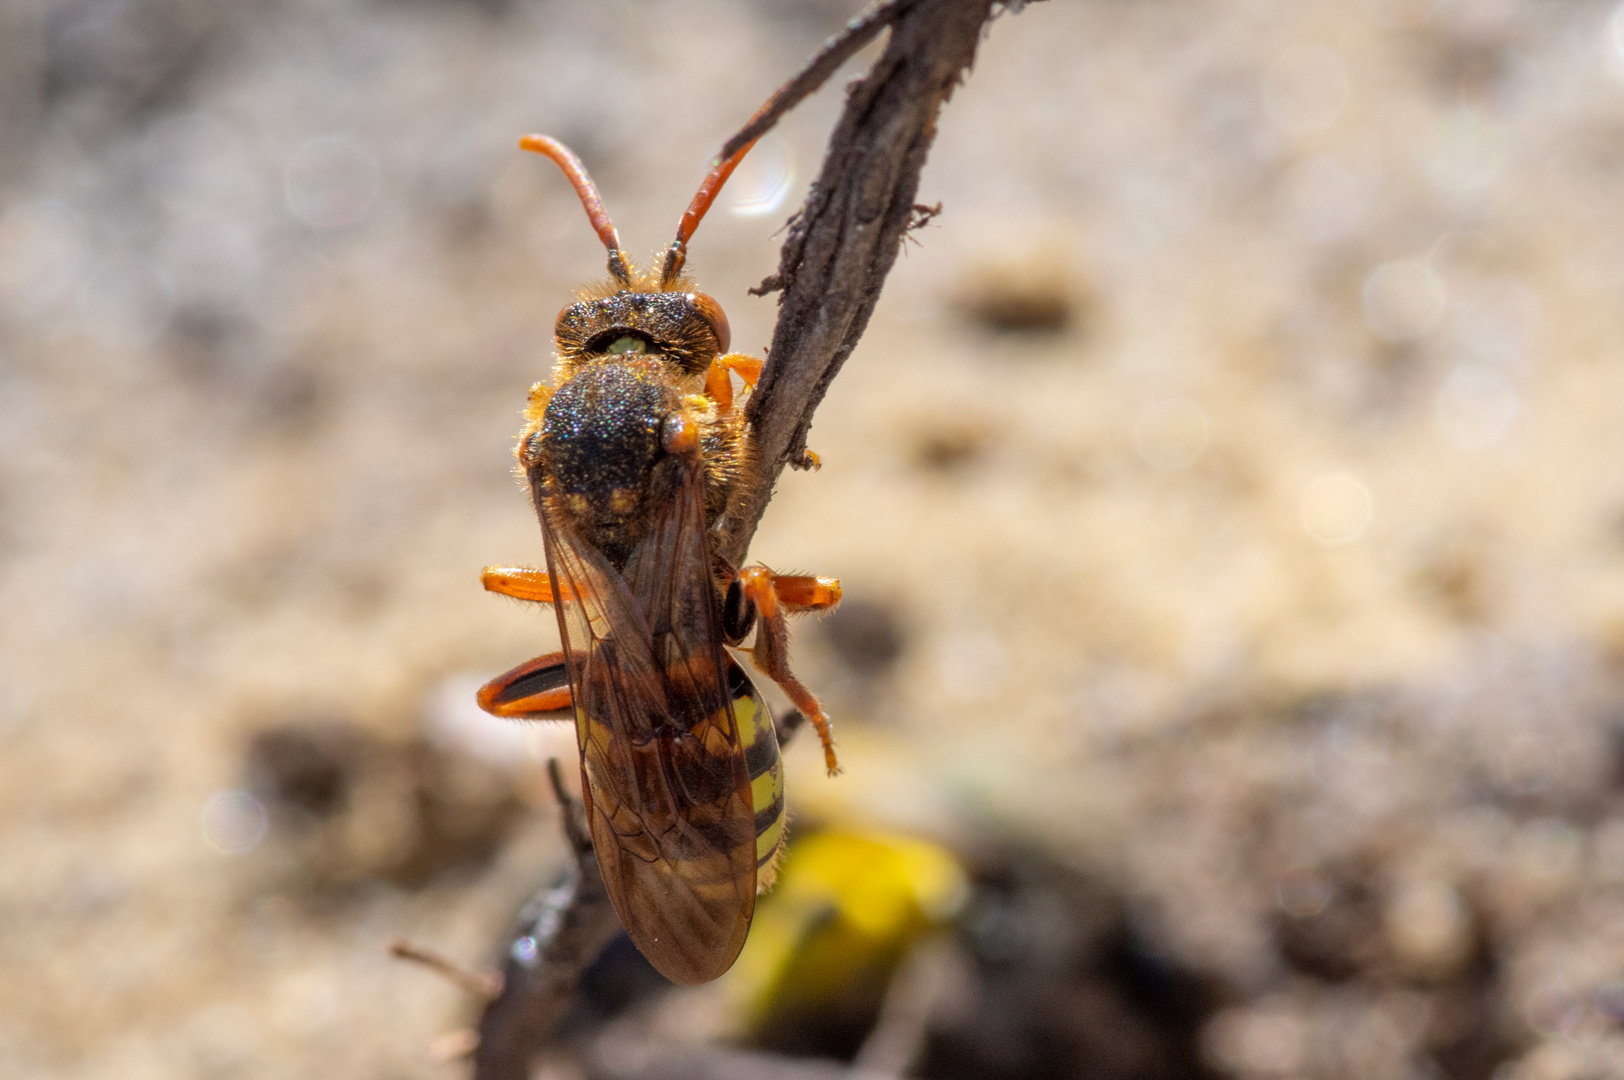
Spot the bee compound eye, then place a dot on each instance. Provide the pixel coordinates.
(711, 312)
(571, 319)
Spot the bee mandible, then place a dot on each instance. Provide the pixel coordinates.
(631, 457)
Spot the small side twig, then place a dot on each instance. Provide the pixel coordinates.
(573, 814)
(482, 985)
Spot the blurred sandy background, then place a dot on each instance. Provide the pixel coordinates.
(1227, 497)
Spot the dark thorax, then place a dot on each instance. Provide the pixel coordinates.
(599, 462)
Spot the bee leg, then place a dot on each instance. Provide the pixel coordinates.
(719, 385)
(719, 388)
(519, 582)
(537, 689)
(771, 650)
(806, 593)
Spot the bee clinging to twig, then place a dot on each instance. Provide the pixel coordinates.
(631, 457)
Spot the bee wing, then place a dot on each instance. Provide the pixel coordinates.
(666, 783)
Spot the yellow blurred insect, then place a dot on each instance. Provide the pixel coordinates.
(631, 458)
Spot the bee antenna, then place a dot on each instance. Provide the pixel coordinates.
(565, 159)
(677, 254)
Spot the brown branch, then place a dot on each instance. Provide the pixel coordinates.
(560, 932)
(845, 237)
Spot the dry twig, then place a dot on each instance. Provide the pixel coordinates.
(561, 931)
(482, 985)
(859, 31)
(846, 236)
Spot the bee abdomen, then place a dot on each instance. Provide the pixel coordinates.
(766, 768)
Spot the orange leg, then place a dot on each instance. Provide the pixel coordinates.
(537, 689)
(519, 582)
(719, 388)
(806, 593)
(718, 384)
(771, 650)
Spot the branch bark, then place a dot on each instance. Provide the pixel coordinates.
(560, 932)
(845, 238)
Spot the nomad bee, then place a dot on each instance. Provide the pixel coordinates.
(631, 457)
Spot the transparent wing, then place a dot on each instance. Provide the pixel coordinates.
(667, 786)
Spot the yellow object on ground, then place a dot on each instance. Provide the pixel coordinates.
(846, 909)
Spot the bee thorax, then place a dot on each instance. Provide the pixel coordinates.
(602, 446)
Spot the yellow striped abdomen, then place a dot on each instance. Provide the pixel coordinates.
(760, 741)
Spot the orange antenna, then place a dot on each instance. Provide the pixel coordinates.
(565, 159)
(721, 169)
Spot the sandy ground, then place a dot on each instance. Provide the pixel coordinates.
(1273, 578)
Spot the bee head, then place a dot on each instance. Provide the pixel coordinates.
(687, 323)
(687, 327)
